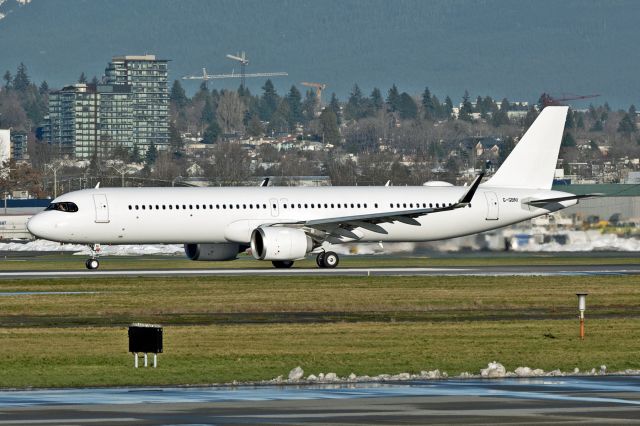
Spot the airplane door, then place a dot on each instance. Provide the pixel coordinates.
(492, 205)
(274, 207)
(102, 208)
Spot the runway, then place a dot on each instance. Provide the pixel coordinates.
(531, 270)
(554, 400)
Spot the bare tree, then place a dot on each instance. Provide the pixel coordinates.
(230, 112)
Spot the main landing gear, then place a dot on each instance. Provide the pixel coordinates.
(327, 259)
(92, 263)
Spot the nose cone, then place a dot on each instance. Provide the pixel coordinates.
(38, 226)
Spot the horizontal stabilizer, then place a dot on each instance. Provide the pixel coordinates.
(543, 201)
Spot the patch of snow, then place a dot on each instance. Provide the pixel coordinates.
(83, 250)
(494, 369)
(296, 374)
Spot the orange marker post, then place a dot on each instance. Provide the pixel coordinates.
(582, 305)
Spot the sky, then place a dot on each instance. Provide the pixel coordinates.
(500, 48)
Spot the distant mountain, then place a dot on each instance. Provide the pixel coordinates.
(500, 48)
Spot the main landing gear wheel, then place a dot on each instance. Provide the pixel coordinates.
(327, 259)
(92, 264)
(282, 263)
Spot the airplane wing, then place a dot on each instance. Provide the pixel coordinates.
(370, 221)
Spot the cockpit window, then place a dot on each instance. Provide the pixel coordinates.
(63, 207)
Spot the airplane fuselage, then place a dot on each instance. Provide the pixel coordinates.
(220, 215)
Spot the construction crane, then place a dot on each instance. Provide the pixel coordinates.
(242, 58)
(207, 77)
(547, 100)
(319, 88)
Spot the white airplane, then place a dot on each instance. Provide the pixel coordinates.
(284, 224)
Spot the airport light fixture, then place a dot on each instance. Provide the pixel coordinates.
(582, 306)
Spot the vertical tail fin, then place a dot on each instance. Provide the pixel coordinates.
(532, 162)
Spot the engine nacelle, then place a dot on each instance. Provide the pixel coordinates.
(279, 243)
(220, 251)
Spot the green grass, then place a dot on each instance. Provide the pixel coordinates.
(220, 329)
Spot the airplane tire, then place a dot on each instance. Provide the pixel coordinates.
(282, 263)
(330, 260)
(320, 260)
(92, 264)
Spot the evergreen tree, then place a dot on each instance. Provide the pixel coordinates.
(407, 107)
(178, 95)
(329, 127)
(280, 119)
(135, 154)
(208, 112)
(175, 141)
(393, 98)
(83, 78)
(151, 155)
(334, 105)
(353, 110)
(7, 79)
(95, 81)
(376, 99)
(44, 88)
(269, 101)
(504, 105)
(466, 109)
(627, 124)
(597, 126)
(531, 116)
(309, 106)
(428, 107)
(632, 111)
(448, 107)
(579, 121)
(569, 122)
(21, 81)
(212, 133)
(294, 99)
(568, 141)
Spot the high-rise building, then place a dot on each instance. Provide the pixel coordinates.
(86, 120)
(130, 109)
(147, 77)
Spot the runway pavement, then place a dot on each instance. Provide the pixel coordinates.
(532, 270)
(555, 400)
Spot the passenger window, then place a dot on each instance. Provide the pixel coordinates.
(358, 205)
(299, 205)
(338, 205)
(238, 206)
(230, 206)
(164, 207)
(218, 206)
(136, 207)
(197, 206)
(375, 205)
(170, 206)
(244, 206)
(325, 205)
(224, 206)
(130, 208)
(264, 206)
(332, 205)
(250, 206)
(144, 207)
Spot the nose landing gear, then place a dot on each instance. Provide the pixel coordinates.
(92, 263)
(327, 259)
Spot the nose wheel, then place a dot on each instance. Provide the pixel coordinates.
(92, 264)
(327, 259)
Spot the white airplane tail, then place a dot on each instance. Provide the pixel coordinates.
(532, 162)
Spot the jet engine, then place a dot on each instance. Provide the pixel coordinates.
(220, 251)
(279, 243)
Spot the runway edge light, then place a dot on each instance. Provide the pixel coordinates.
(582, 306)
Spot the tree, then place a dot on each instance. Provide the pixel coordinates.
(7, 79)
(230, 112)
(151, 155)
(212, 133)
(44, 88)
(178, 95)
(407, 107)
(254, 127)
(230, 164)
(83, 78)
(355, 105)
(269, 101)
(95, 81)
(627, 124)
(531, 116)
(208, 112)
(597, 126)
(280, 119)
(21, 81)
(294, 99)
(309, 106)
(568, 141)
(176, 144)
(428, 108)
(135, 154)
(393, 98)
(466, 109)
(448, 107)
(329, 127)
(334, 105)
(376, 99)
